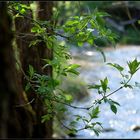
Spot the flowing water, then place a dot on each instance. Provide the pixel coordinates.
(94, 69)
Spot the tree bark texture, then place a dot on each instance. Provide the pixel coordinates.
(33, 56)
(45, 13)
(13, 120)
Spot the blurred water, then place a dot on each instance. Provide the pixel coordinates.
(128, 115)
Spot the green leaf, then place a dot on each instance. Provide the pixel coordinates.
(71, 23)
(94, 86)
(129, 86)
(46, 118)
(90, 41)
(104, 84)
(117, 66)
(72, 69)
(102, 14)
(115, 102)
(73, 131)
(83, 22)
(34, 42)
(74, 66)
(73, 123)
(27, 87)
(68, 98)
(111, 102)
(34, 29)
(80, 44)
(95, 112)
(113, 108)
(96, 132)
(78, 117)
(100, 124)
(86, 120)
(31, 71)
(133, 66)
(22, 11)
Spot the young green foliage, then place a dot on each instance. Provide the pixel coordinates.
(133, 66)
(87, 28)
(112, 104)
(117, 66)
(104, 84)
(95, 112)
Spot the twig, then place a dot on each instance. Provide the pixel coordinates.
(76, 107)
(63, 124)
(67, 37)
(38, 23)
(86, 108)
(25, 34)
(22, 105)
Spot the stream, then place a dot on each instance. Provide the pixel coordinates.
(93, 69)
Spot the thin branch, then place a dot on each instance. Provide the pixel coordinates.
(86, 108)
(67, 37)
(25, 34)
(58, 34)
(22, 105)
(38, 23)
(81, 128)
(75, 107)
(63, 124)
(120, 87)
(59, 120)
(97, 101)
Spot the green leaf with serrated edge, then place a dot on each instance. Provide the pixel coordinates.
(133, 66)
(95, 112)
(104, 84)
(117, 66)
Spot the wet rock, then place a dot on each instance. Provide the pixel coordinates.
(108, 130)
(135, 128)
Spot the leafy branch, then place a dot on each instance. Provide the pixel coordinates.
(102, 89)
(81, 29)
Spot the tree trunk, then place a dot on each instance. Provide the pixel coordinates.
(33, 56)
(45, 13)
(13, 120)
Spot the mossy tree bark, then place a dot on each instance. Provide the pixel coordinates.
(13, 119)
(45, 13)
(33, 56)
